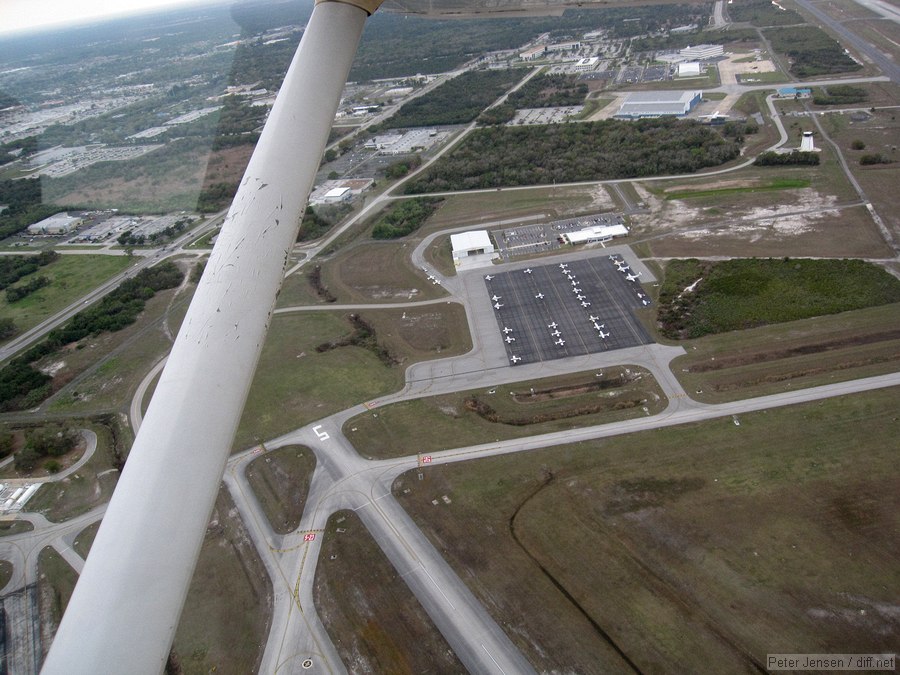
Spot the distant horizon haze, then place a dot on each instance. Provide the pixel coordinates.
(17, 16)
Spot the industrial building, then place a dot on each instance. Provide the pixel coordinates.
(60, 223)
(640, 104)
(689, 69)
(594, 234)
(586, 65)
(701, 52)
(468, 244)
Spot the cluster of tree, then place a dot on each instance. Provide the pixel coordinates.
(7, 328)
(23, 386)
(24, 201)
(839, 94)
(402, 167)
(26, 146)
(316, 222)
(874, 158)
(16, 293)
(539, 92)
(43, 443)
(737, 130)
(681, 40)
(258, 62)
(560, 153)
(14, 267)
(811, 51)
(215, 196)
(457, 101)
(397, 46)
(742, 293)
(763, 13)
(772, 158)
(405, 217)
(549, 91)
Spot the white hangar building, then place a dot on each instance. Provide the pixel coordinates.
(465, 244)
(658, 103)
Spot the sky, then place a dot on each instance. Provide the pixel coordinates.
(18, 15)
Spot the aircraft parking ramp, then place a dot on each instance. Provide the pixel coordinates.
(547, 312)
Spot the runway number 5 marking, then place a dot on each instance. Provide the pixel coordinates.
(426, 459)
(309, 536)
(323, 435)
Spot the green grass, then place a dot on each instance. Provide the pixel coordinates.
(280, 481)
(10, 527)
(223, 626)
(84, 489)
(71, 277)
(6, 573)
(695, 548)
(444, 422)
(771, 77)
(778, 184)
(743, 293)
(380, 627)
(295, 385)
(56, 581)
(85, 540)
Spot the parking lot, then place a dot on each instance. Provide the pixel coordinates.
(555, 311)
(531, 239)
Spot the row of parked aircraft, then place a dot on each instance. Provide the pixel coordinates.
(624, 267)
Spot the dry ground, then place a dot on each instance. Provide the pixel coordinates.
(375, 622)
(788, 356)
(149, 188)
(700, 548)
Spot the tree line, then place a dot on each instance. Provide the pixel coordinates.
(23, 386)
(405, 218)
(457, 101)
(496, 157)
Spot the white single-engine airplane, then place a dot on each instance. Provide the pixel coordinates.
(560, 342)
(551, 325)
(509, 340)
(603, 335)
(539, 296)
(632, 277)
(488, 277)
(497, 305)
(507, 329)
(515, 359)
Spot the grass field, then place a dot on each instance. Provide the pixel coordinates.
(10, 527)
(444, 422)
(699, 548)
(6, 572)
(776, 184)
(699, 298)
(71, 277)
(56, 581)
(85, 539)
(226, 615)
(295, 384)
(379, 627)
(789, 356)
(375, 272)
(90, 486)
(105, 372)
(280, 482)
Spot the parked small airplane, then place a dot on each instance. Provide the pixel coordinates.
(603, 335)
(527, 271)
(551, 325)
(507, 329)
(563, 266)
(510, 340)
(539, 296)
(497, 305)
(496, 297)
(585, 303)
(645, 302)
(515, 359)
(593, 318)
(632, 277)
(621, 264)
(488, 277)
(580, 296)
(598, 326)
(556, 333)
(560, 342)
